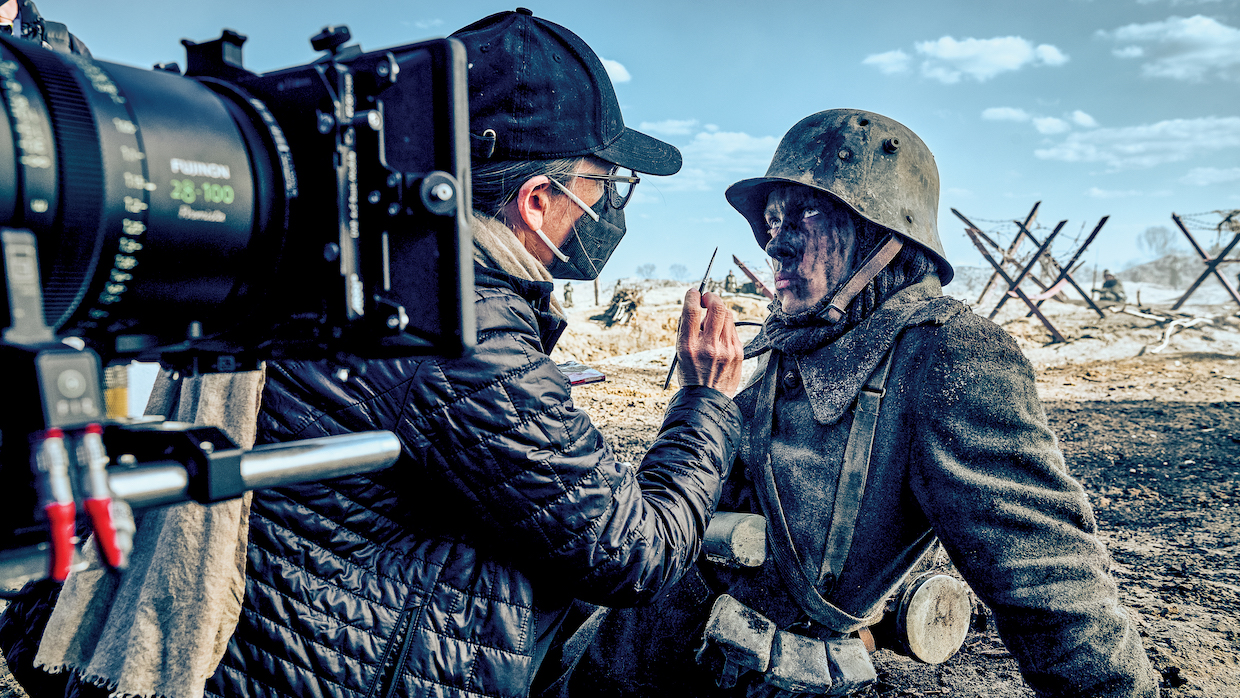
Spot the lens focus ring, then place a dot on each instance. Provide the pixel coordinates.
(80, 177)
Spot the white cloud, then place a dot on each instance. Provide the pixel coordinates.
(1050, 55)
(1047, 125)
(669, 127)
(1005, 114)
(425, 24)
(1080, 118)
(1206, 176)
(890, 62)
(1181, 48)
(1097, 193)
(1050, 125)
(615, 70)
(714, 159)
(1147, 145)
(1177, 3)
(949, 60)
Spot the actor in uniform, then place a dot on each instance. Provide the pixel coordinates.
(1112, 288)
(883, 417)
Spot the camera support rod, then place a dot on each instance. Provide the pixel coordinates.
(272, 465)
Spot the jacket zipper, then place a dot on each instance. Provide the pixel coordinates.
(402, 637)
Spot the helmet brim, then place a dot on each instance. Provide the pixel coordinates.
(749, 196)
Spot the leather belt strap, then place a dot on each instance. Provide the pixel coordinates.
(878, 259)
(789, 563)
(853, 472)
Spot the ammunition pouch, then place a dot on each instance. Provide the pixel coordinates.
(790, 664)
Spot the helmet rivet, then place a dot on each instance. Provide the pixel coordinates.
(863, 122)
(845, 154)
(891, 145)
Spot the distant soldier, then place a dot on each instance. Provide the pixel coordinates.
(729, 284)
(568, 295)
(1112, 288)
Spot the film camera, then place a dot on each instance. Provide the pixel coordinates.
(211, 221)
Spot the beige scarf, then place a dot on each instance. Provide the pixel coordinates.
(161, 628)
(497, 247)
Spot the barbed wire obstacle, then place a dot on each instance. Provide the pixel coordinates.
(1060, 274)
(1015, 283)
(1009, 255)
(976, 236)
(1064, 273)
(1230, 222)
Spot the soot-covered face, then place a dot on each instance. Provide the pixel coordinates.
(812, 241)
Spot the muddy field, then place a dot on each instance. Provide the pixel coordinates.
(1153, 435)
(1162, 474)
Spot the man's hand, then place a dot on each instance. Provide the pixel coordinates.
(710, 353)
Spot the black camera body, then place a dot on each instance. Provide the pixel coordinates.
(312, 210)
(211, 221)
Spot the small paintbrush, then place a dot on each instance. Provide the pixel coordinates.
(701, 289)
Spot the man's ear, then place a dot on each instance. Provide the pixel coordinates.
(533, 202)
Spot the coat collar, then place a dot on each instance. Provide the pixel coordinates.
(536, 293)
(834, 373)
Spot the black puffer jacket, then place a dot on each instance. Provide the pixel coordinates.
(447, 574)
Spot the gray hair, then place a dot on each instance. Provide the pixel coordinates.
(495, 184)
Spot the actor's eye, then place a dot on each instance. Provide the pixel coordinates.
(810, 213)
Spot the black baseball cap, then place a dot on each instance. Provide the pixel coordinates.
(537, 91)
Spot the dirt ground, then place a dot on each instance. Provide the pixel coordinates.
(1153, 436)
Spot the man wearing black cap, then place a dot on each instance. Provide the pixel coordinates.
(448, 573)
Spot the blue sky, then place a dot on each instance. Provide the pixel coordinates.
(1121, 107)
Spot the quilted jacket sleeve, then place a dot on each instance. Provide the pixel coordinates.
(989, 475)
(523, 469)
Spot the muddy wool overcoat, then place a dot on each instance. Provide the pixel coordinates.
(446, 574)
(962, 451)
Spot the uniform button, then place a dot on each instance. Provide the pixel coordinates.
(792, 380)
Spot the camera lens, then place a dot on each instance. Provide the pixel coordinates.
(149, 193)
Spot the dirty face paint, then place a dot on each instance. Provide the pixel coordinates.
(812, 241)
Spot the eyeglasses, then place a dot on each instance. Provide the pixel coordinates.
(619, 187)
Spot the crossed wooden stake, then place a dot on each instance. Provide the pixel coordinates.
(1211, 263)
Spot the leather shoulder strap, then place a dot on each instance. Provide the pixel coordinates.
(787, 561)
(853, 471)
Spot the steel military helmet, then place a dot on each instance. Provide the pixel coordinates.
(872, 164)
